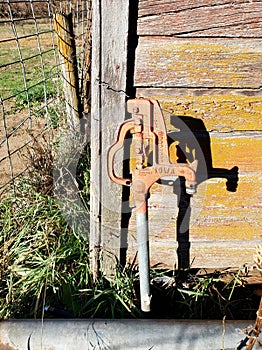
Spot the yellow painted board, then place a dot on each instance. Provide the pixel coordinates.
(225, 227)
(219, 109)
(243, 150)
(218, 214)
(220, 151)
(206, 62)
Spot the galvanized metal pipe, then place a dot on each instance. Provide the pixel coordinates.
(143, 255)
(121, 334)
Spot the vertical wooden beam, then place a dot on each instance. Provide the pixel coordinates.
(63, 25)
(109, 71)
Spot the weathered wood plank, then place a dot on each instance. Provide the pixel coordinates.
(155, 7)
(228, 216)
(220, 110)
(217, 150)
(200, 18)
(223, 150)
(109, 56)
(170, 62)
(223, 224)
(225, 227)
(240, 149)
(63, 25)
(95, 171)
(223, 254)
(217, 255)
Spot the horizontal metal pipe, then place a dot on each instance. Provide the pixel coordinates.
(125, 334)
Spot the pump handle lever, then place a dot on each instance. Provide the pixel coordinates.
(125, 127)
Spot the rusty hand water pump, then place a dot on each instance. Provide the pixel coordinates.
(148, 129)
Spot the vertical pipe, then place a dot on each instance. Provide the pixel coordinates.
(143, 254)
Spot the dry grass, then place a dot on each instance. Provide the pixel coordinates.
(41, 156)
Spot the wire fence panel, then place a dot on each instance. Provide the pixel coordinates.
(31, 94)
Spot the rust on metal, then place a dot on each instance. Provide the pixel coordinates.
(148, 127)
(6, 346)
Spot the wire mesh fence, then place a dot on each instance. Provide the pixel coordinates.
(31, 90)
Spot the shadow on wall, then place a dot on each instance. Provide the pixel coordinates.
(188, 142)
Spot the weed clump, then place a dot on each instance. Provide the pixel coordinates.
(44, 264)
(201, 294)
(43, 261)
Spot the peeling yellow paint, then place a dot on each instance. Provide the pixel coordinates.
(218, 82)
(199, 62)
(221, 112)
(225, 215)
(216, 214)
(244, 152)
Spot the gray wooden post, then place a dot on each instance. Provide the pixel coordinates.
(109, 71)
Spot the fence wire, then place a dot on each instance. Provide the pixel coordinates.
(31, 95)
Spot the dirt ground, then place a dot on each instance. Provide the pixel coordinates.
(15, 137)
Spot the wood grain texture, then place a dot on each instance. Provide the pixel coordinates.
(63, 25)
(202, 60)
(109, 58)
(224, 63)
(225, 227)
(227, 215)
(95, 131)
(242, 150)
(227, 150)
(200, 18)
(216, 255)
(219, 109)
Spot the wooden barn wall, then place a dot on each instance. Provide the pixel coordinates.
(203, 60)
